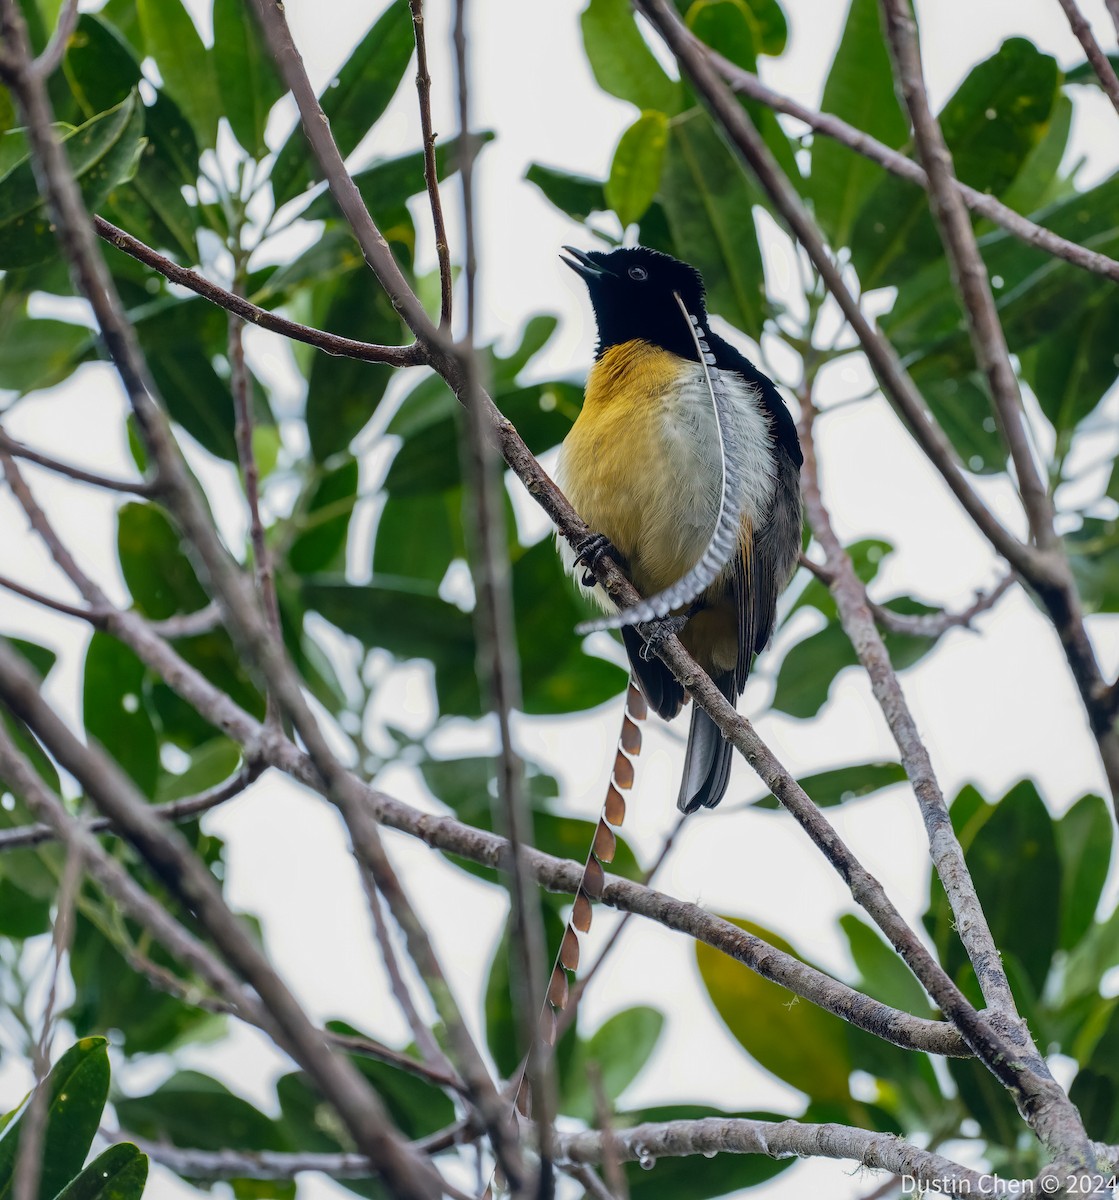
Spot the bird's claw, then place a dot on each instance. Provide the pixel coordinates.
(656, 633)
(589, 552)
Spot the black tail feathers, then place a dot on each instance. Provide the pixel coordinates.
(708, 759)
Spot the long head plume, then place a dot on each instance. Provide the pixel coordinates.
(724, 537)
(593, 880)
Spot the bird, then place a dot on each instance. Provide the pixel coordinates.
(646, 465)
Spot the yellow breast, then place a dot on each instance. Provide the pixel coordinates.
(614, 463)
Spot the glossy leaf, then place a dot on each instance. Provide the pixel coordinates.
(185, 65)
(114, 712)
(620, 1048)
(1084, 844)
(992, 122)
(158, 574)
(354, 99)
(838, 786)
(707, 198)
(324, 521)
(884, 975)
(39, 352)
(77, 1087)
(635, 173)
(622, 62)
(860, 91)
(799, 1043)
(118, 1173)
(419, 536)
(1093, 552)
(194, 1110)
(1076, 366)
(342, 393)
(246, 76)
(103, 153)
(576, 195)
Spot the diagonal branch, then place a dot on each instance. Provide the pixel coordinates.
(746, 83)
(1105, 72)
(332, 343)
(9, 444)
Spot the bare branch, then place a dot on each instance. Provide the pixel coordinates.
(968, 269)
(775, 1139)
(18, 450)
(745, 83)
(431, 172)
(186, 625)
(1105, 72)
(59, 606)
(332, 343)
(185, 809)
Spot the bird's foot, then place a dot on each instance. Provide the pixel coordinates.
(590, 552)
(656, 633)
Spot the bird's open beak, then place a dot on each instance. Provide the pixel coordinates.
(583, 264)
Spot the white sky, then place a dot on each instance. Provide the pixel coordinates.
(994, 706)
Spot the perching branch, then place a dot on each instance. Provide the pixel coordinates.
(18, 450)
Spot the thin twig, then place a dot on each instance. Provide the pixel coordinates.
(968, 269)
(431, 173)
(185, 809)
(40, 598)
(1105, 72)
(395, 356)
(51, 59)
(29, 1160)
(421, 1032)
(140, 487)
(498, 668)
(186, 625)
(746, 83)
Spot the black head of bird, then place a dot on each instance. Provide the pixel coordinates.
(634, 293)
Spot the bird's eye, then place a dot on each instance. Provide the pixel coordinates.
(638, 273)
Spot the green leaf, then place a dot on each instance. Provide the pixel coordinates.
(1074, 368)
(576, 195)
(184, 63)
(193, 1110)
(76, 1088)
(324, 521)
(159, 576)
(418, 537)
(884, 975)
(987, 1101)
(535, 336)
(860, 91)
(246, 74)
(389, 183)
(838, 786)
(343, 393)
(1085, 73)
(354, 100)
(620, 1047)
(102, 68)
(212, 763)
(635, 173)
(801, 1044)
(118, 1173)
(708, 198)
(1038, 182)
(114, 712)
(111, 995)
(1093, 552)
(622, 62)
(39, 352)
(996, 117)
(1084, 844)
(102, 153)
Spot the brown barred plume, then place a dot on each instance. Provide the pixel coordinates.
(593, 880)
